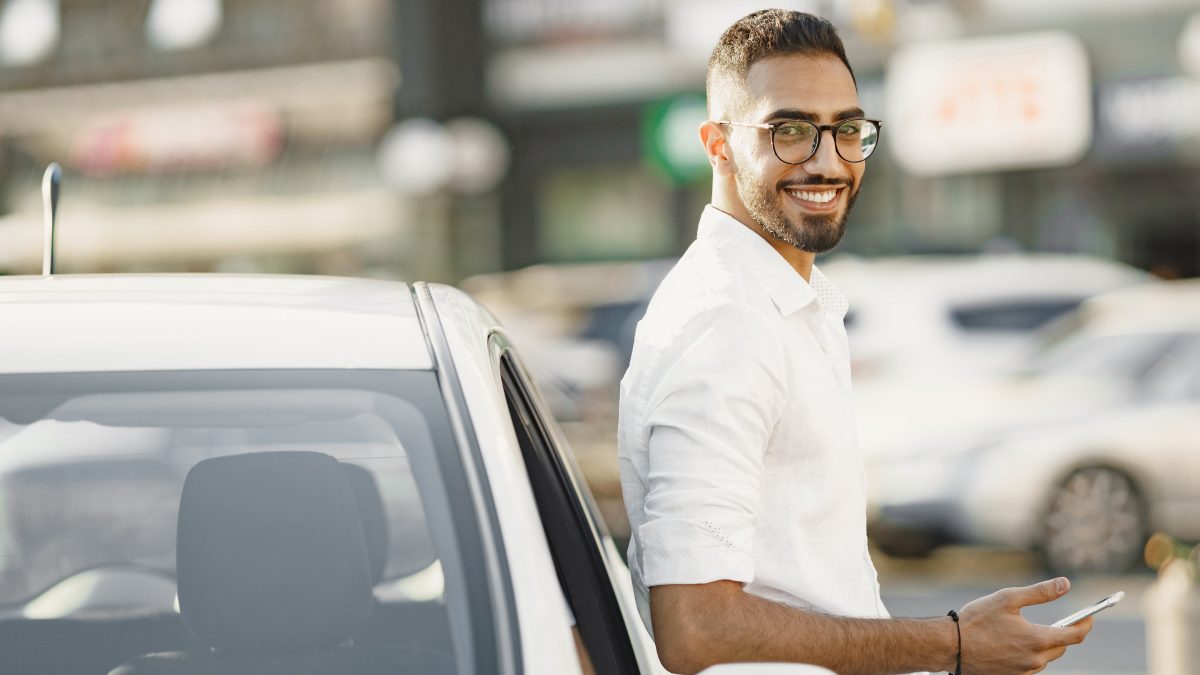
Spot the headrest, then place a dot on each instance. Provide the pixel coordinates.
(270, 553)
(373, 515)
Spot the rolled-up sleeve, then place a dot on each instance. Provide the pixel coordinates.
(709, 418)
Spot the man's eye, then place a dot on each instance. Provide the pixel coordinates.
(850, 129)
(794, 131)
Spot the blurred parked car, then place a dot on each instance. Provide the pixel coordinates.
(580, 318)
(1111, 456)
(956, 316)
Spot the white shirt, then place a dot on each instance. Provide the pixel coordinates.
(737, 442)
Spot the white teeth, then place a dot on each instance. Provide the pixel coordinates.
(815, 197)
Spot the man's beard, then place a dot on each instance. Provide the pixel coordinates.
(814, 233)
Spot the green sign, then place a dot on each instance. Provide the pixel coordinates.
(671, 137)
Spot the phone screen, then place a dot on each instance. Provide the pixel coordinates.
(1088, 611)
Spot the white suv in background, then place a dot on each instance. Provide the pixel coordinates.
(929, 317)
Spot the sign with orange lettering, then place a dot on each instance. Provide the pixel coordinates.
(984, 104)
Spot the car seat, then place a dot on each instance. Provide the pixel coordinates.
(274, 574)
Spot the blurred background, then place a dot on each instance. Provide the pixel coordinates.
(1024, 324)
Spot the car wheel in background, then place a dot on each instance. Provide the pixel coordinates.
(1095, 523)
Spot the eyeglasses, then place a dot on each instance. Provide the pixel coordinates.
(795, 142)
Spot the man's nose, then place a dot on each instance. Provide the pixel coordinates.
(825, 161)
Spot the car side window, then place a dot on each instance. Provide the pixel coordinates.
(574, 540)
(1011, 316)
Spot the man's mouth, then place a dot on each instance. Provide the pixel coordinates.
(813, 196)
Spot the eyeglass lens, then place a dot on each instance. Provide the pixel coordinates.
(854, 140)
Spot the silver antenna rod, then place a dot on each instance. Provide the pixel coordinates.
(51, 182)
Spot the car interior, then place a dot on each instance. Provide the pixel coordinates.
(277, 561)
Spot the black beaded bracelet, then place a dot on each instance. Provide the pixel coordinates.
(958, 629)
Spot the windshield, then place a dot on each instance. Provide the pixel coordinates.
(92, 468)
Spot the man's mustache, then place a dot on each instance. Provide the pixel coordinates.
(814, 180)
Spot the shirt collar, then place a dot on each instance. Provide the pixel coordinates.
(787, 289)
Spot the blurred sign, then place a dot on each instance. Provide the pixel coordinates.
(179, 137)
(1070, 10)
(671, 137)
(1133, 120)
(989, 103)
(693, 27)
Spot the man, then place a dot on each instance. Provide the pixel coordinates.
(743, 482)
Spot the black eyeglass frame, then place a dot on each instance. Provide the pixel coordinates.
(821, 129)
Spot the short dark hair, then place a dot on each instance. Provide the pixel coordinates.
(771, 32)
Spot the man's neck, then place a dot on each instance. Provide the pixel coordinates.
(800, 260)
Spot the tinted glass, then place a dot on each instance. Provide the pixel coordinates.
(91, 472)
(1016, 316)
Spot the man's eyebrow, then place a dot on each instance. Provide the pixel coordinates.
(849, 113)
(806, 116)
(792, 114)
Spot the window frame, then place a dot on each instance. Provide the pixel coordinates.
(573, 531)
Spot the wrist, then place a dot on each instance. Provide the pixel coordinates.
(957, 643)
(942, 645)
(946, 646)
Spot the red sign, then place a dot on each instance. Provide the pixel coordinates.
(179, 137)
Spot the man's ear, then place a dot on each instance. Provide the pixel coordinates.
(716, 146)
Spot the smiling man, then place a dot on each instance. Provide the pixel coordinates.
(742, 477)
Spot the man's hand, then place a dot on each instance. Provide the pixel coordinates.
(997, 639)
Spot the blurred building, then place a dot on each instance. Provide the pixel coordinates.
(325, 136)
(601, 98)
(211, 134)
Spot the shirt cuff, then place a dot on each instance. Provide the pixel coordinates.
(686, 552)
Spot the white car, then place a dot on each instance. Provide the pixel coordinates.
(291, 474)
(949, 317)
(1085, 486)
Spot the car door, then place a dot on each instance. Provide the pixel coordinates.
(578, 542)
(1166, 442)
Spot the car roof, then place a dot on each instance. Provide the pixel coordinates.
(1170, 305)
(120, 322)
(965, 279)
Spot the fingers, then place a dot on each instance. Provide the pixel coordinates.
(1038, 663)
(1037, 594)
(1065, 637)
(1060, 639)
(1050, 656)
(1073, 635)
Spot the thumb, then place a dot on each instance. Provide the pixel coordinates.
(1040, 593)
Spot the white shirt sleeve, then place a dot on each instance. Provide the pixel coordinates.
(709, 418)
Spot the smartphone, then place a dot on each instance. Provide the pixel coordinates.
(1088, 611)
